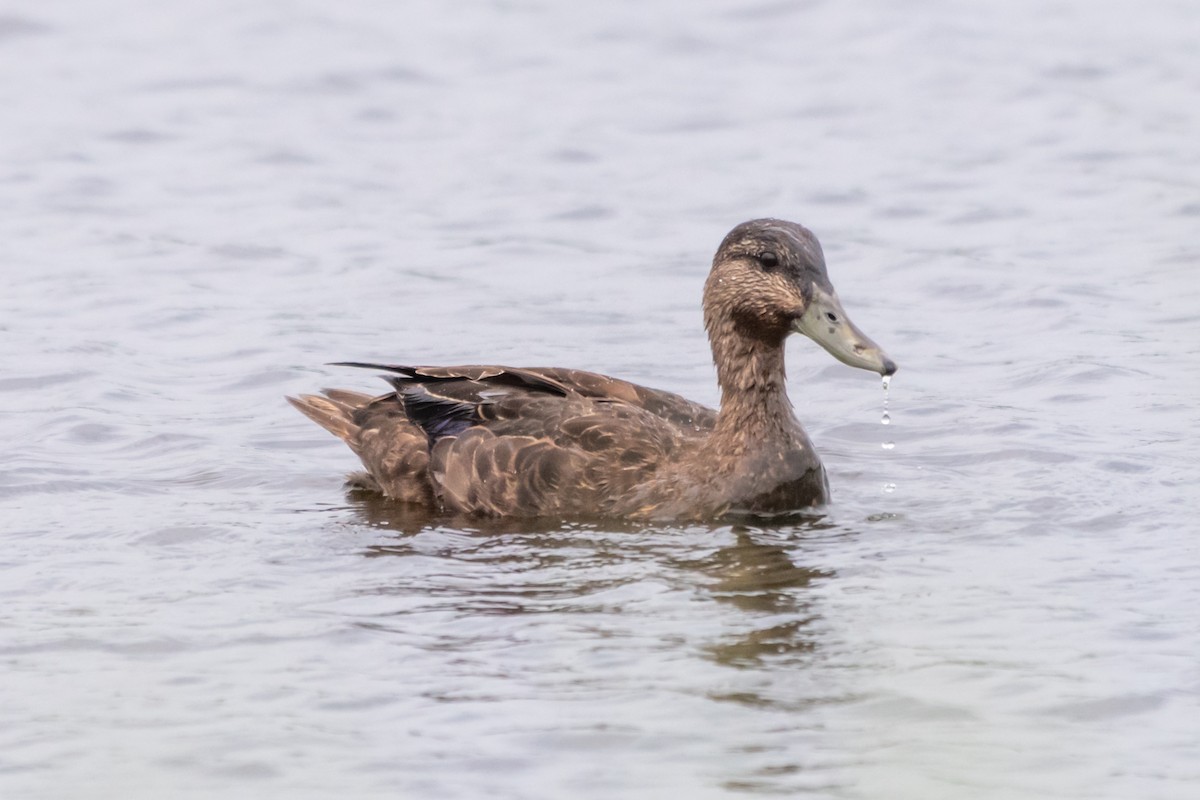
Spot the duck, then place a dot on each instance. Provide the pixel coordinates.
(499, 441)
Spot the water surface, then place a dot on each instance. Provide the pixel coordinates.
(206, 202)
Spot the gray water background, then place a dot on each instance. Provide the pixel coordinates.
(201, 203)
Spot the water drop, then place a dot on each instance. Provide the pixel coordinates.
(887, 382)
(887, 444)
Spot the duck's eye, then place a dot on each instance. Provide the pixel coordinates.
(768, 259)
(832, 317)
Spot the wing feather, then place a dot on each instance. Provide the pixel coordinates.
(504, 441)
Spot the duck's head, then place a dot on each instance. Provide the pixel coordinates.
(768, 280)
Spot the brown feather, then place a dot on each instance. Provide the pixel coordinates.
(329, 415)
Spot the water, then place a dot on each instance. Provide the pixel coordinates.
(206, 202)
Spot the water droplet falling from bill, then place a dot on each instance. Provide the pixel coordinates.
(887, 444)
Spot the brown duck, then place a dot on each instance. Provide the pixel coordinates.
(504, 441)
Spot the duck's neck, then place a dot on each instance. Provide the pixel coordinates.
(754, 401)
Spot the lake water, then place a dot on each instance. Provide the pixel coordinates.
(205, 202)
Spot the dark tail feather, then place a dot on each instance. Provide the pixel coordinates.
(400, 368)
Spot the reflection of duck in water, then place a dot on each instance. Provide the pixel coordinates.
(758, 575)
(503, 441)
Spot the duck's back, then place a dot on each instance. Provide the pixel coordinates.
(505, 441)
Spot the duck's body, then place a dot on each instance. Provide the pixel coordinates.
(504, 441)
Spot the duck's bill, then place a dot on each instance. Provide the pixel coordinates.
(825, 322)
